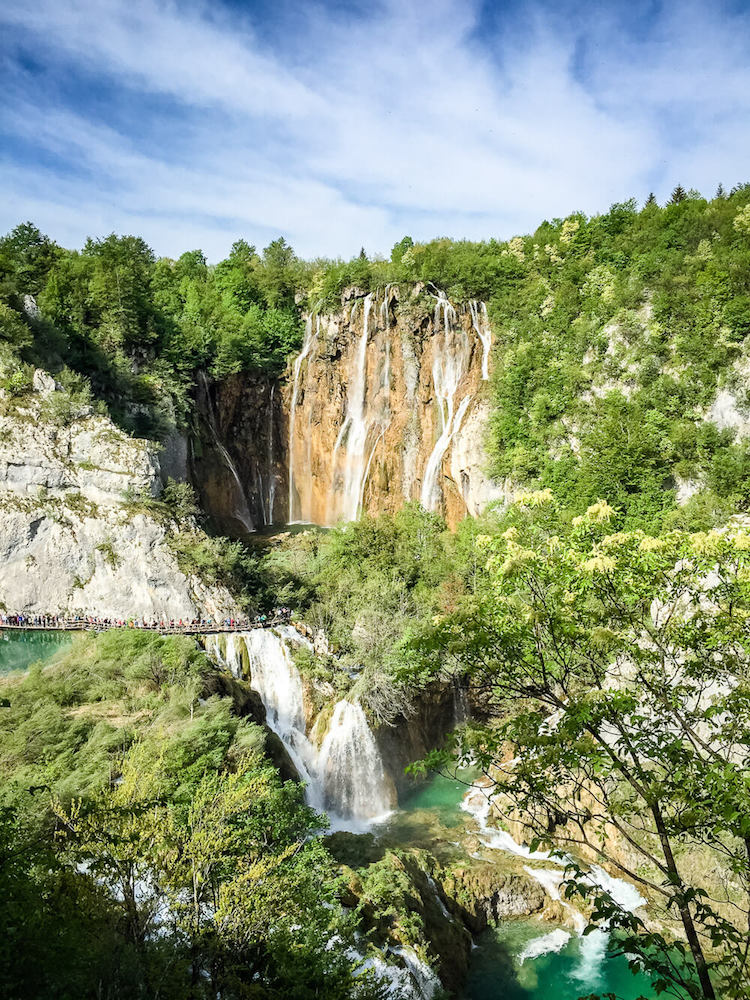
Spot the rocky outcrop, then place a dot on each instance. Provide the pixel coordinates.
(237, 460)
(75, 533)
(483, 893)
(436, 710)
(386, 402)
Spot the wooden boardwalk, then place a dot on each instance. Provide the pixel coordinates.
(199, 628)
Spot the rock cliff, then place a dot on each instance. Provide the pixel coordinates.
(386, 402)
(74, 534)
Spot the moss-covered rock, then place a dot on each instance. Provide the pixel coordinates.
(483, 893)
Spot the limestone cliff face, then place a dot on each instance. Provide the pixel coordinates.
(387, 402)
(70, 539)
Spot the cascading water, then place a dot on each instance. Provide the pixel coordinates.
(241, 509)
(351, 768)
(298, 361)
(381, 401)
(353, 434)
(483, 331)
(345, 777)
(451, 362)
(593, 948)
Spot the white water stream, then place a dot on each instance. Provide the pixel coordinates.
(452, 353)
(483, 331)
(241, 510)
(593, 948)
(306, 347)
(344, 777)
(352, 436)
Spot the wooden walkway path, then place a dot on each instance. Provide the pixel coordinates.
(199, 628)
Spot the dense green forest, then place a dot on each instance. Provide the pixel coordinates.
(148, 846)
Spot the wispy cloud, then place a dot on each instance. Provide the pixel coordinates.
(195, 124)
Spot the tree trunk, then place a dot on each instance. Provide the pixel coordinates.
(684, 908)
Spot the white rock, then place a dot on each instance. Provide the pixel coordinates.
(69, 541)
(43, 383)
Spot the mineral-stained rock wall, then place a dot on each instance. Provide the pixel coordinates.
(386, 402)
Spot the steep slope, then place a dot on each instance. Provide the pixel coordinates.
(74, 532)
(386, 402)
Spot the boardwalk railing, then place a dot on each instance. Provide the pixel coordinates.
(163, 628)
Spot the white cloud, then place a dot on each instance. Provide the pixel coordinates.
(362, 129)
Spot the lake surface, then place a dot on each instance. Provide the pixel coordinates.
(18, 650)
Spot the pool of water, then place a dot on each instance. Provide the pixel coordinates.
(523, 959)
(580, 967)
(18, 650)
(441, 793)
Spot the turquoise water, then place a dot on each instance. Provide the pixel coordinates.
(440, 793)
(582, 967)
(18, 650)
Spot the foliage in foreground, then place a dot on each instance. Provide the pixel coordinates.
(148, 847)
(614, 668)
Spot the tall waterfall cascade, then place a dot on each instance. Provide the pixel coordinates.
(344, 776)
(378, 401)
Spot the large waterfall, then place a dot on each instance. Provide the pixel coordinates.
(378, 397)
(345, 776)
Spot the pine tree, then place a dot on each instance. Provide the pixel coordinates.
(651, 200)
(679, 194)
(720, 192)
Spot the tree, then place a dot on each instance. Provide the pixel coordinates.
(28, 255)
(651, 200)
(236, 277)
(276, 275)
(679, 194)
(119, 291)
(615, 665)
(720, 192)
(400, 248)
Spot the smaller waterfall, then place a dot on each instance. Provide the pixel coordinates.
(306, 347)
(351, 767)
(353, 433)
(483, 331)
(345, 777)
(593, 947)
(448, 368)
(241, 511)
(277, 680)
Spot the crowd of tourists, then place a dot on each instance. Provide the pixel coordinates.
(155, 623)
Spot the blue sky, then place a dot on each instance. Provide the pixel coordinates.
(340, 125)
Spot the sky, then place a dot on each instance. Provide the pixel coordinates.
(340, 125)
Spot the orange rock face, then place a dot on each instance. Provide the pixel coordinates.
(386, 402)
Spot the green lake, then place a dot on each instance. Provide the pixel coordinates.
(18, 650)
